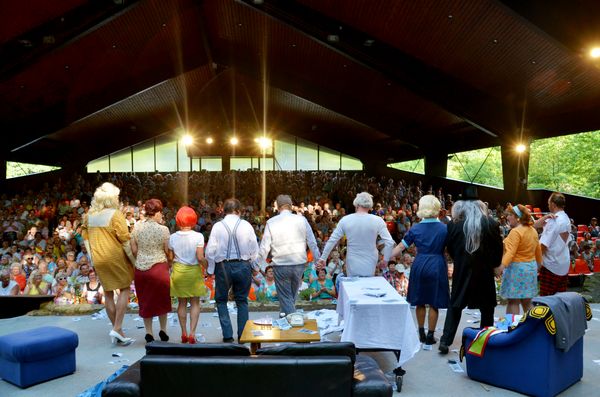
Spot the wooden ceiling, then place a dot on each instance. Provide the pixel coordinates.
(382, 80)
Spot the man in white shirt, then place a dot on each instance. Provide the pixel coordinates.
(555, 247)
(231, 249)
(286, 236)
(361, 230)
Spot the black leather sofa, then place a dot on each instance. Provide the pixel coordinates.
(317, 369)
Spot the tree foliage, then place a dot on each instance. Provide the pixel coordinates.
(569, 164)
(416, 166)
(15, 170)
(483, 166)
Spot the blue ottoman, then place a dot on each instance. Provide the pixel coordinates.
(37, 355)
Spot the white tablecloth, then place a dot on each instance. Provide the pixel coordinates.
(377, 322)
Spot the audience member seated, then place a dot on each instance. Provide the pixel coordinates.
(594, 227)
(16, 274)
(588, 256)
(334, 267)
(323, 286)
(395, 276)
(35, 285)
(267, 287)
(47, 277)
(8, 286)
(92, 290)
(62, 291)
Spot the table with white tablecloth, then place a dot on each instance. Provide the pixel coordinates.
(372, 321)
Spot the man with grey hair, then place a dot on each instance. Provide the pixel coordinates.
(286, 236)
(361, 230)
(8, 286)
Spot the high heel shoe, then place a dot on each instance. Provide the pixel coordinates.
(163, 336)
(116, 337)
(149, 338)
(192, 339)
(184, 338)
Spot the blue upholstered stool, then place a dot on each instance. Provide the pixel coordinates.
(37, 355)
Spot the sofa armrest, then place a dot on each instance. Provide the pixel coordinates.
(369, 380)
(516, 335)
(125, 385)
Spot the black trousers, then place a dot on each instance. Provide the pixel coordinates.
(453, 315)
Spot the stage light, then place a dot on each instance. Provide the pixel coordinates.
(187, 140)
(234, 141)
(520, 148)
(209, 140)
(595, 52)
(263, 142)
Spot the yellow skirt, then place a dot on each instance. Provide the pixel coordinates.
(187, 281)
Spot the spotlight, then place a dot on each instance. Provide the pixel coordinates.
(209, 140)
(595, 52)
(187, 140)
(264, 143)
(521, 148)
(234, 141)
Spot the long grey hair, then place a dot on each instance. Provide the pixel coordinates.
(473, 212)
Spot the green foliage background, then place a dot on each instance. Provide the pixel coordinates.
(15, 170)
(569, 164)
(472, 166)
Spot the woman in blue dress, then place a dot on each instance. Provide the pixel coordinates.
(429, 272)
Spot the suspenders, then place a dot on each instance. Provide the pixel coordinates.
(232, 238)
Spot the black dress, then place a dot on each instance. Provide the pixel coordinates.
(473, 284)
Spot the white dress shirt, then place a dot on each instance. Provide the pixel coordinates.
(361, 230)
(286, 236)
(556, 257)
(216, 249)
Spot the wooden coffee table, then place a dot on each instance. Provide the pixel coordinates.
(275, 335)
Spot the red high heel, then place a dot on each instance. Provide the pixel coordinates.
(192, 340)
(184, 338)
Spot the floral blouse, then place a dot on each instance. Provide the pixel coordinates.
(150, 237)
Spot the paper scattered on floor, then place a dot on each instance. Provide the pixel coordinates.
(454, 366)
(76, 318)
(200, 338)
(597, 362)
(119, 361)
(427, 347)
(327, 321)
(99, 315)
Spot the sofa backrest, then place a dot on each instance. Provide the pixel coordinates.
(346, 349)
(197, 350)
(246, 376)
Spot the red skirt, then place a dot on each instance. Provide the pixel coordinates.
(153, 290)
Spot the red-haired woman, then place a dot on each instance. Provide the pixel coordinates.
(186, 250)
(521, 260)
(150, 246)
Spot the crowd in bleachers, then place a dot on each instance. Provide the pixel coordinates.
(43, 251)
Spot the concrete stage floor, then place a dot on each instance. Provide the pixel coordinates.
(428, 373)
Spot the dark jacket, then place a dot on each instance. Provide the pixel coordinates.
(473, 282)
